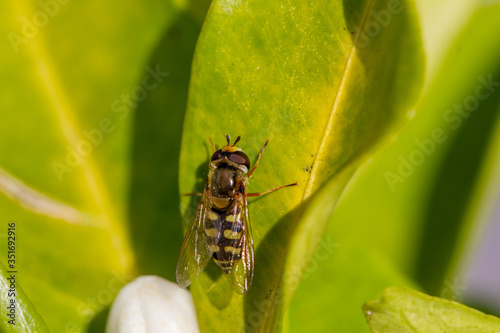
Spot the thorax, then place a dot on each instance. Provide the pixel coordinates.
(225, 181)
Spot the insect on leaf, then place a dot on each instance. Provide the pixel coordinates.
(323, 88)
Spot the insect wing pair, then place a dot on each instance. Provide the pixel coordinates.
(221, 227)
(197, 249)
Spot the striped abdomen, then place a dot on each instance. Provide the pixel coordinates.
(224, 231)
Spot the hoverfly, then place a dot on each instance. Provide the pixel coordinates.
(221, 227)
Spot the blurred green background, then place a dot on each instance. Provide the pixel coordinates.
(93, 98)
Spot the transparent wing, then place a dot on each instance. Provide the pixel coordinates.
(241, 275)
(195, 253)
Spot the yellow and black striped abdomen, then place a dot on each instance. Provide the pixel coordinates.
(224, 231)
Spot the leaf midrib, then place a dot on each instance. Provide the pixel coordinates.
(335, 107)
(324, 141)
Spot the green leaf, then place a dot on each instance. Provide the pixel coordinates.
(73, 74)
(383, 237)
(439, 34)
(450, 207)
(18, 314)
(436, 199)
(337, 280)
(323, 88)
(405, 310)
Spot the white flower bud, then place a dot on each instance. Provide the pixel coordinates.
(152, 304)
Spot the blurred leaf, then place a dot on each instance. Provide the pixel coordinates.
(390, 220)
(323, 82)
(405, 310)
(337, 282)
(468, 113)
(440, 31)
(72, 74)
(18, 314)
(154, 190)
(420, 223)
(480, 291)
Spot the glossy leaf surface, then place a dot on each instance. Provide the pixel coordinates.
(405, 310)
(434, 214)
(422, 220)
(323, 87)
(91, 185)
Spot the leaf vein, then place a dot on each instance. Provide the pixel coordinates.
(329, 125)
(38, 202)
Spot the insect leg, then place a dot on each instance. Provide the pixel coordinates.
(271, 190)
(258, 159)
(213, 146)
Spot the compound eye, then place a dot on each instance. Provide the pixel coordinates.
(241, 158)
(217, 155)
